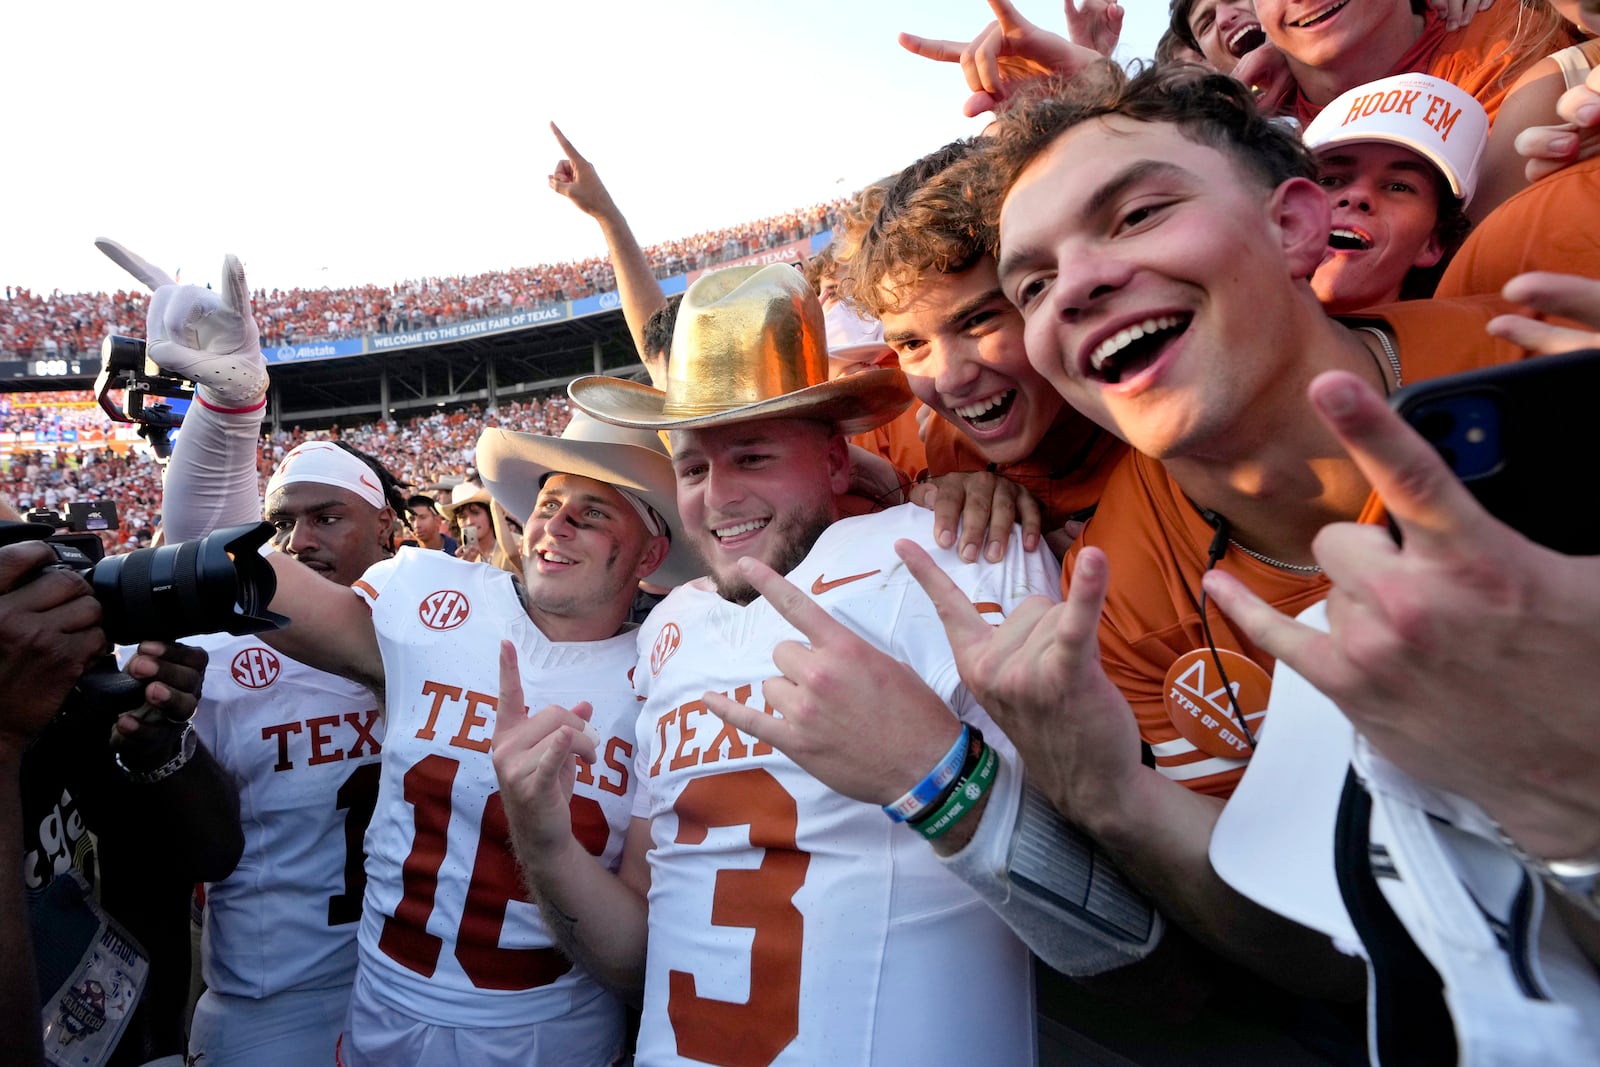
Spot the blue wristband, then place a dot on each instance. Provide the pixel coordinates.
(933, 786)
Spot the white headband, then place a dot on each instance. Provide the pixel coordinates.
(654, 524)
(326, 463)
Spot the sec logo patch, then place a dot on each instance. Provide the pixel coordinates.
(1198, 705)
(667, 642)
(444, 610)
(255, 668)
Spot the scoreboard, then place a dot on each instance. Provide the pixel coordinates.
(43, 375)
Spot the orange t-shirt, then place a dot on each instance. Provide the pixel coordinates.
(899, 442)
(1484, 57)
(1151, 643)
(1542, 227)
(1065, 473)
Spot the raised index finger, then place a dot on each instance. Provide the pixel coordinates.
(801, 612)
(962, 623)
(1423, 495)
(566, 146)
(929, 48)
(1008, 16)
(135, 264)
(511, 708)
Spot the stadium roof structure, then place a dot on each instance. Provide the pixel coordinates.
(411, 381)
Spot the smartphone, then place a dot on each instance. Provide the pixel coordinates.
(1520, 437)
(469, 535)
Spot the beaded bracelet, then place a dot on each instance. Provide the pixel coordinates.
(966, 796)
(924, 796)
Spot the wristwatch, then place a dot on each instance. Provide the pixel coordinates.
(1576, 880)
(188, 742)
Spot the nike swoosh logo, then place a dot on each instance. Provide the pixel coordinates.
(368, 483)
(819, 586)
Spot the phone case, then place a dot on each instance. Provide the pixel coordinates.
(1522, 437)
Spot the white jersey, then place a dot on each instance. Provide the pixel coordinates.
(788, 924)
(303, 747)
(448, 935)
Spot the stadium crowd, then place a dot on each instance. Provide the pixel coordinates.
(57, 324)
(1040, 583)
(426, 453)
(34, 325)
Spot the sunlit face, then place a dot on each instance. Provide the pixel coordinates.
(1157, 279)
(477, 516)
(1325, 34)
(763, 489)
(426, 522)
(1385, 202)
(961, 347)
(584, 549)
(1225, 30)
(331, 530)
(828, 285)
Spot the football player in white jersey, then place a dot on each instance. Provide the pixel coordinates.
(785, 922)
(278, 943)
(278, 951)
(455, 964)
(500, 972)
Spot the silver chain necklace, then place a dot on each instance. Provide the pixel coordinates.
(1294, 568)
(1389, 353)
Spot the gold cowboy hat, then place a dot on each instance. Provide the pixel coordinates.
(749, 344)
(514, 466)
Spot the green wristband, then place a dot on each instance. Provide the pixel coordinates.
(963, 799)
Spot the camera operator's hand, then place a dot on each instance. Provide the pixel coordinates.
(205, 336)
(172, 674)
(49, 631)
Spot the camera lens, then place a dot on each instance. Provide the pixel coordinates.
(1436, 424)
(217, 583)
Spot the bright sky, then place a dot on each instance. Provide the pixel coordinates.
(343, 141)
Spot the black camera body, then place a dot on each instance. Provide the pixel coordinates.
(125, 365)
(217, 583)
(80, 517)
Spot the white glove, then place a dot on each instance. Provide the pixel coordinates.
(207, 337)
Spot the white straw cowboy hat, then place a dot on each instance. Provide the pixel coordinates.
(514, 466)
(750, 344)
(463, 493)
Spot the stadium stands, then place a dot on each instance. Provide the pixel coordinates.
(419, 451)
(58, 324)
(54, 448)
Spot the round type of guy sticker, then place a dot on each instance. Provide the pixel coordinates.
(1197, 700)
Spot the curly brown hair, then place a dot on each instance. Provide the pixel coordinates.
(856, 217)
(928, 220)
(1206, 107)
(824, 262)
